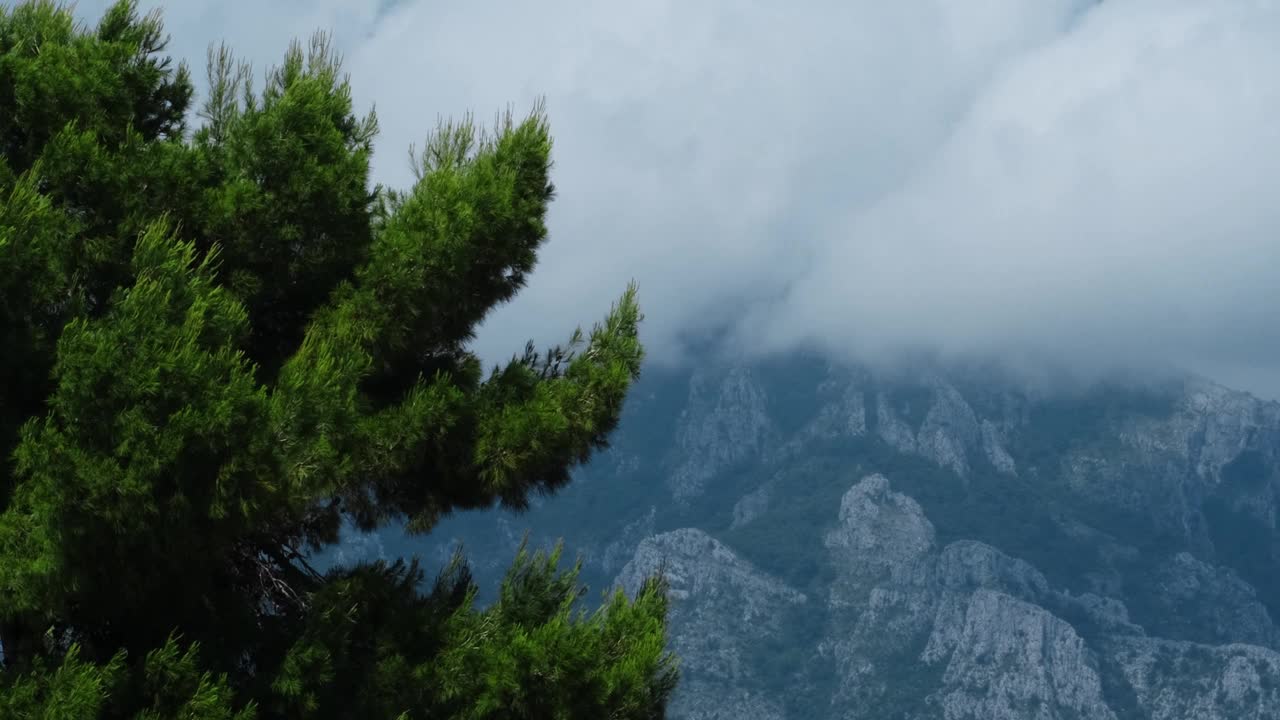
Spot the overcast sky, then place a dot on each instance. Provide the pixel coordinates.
(1042, 179)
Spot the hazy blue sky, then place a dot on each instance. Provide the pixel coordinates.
(1092, 184)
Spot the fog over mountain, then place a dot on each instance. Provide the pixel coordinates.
(1091, 183)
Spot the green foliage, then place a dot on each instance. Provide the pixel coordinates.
(375, 646)
(219, 346)
(171, 685)
(73, 689)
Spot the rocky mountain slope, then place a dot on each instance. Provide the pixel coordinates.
(953, 545)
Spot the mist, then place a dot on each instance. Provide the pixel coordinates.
(1056, 182)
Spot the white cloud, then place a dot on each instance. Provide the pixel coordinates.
(1106, 200)
(1043, 177)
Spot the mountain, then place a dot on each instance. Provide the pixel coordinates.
(935, 543)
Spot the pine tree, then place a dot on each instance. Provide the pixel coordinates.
(217, 346)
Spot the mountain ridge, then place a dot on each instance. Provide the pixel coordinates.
(966, 547)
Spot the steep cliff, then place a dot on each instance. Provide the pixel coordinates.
(949, 545)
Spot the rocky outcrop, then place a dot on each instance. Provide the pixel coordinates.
(950, 430)
(951, 435)
(1012, 660)
(753, 505)
(893, 430)
(993, 445)
(1177, 680)
(955, 548)
(1168, 464)
(722, 608)
(960, 631)
(963, 617)
(1210, 427)
(842, 412)
(878, 535)
(724, 422)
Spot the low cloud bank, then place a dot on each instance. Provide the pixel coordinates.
(1055, 182)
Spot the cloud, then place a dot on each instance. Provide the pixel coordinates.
(1104, 201)
(1042, 178)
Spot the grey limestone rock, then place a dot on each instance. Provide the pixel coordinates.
(914, 612)
(724, 422)
(950, 429)
(892, 429)
(878, 532)
(752, 505)
(993, 445)
(971, 632)
(721, 606)
(1013, 660)
(1178, 680)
